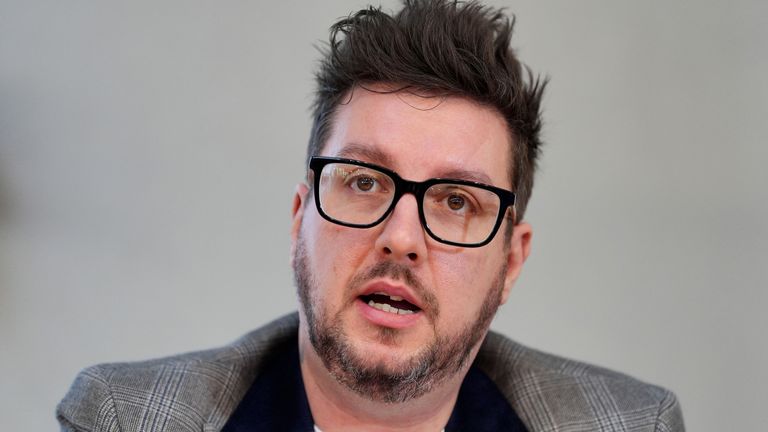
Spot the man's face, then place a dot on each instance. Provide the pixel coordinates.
(453, 291)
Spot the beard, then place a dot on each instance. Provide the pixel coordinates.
(441, 359)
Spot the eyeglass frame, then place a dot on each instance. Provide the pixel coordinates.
(417, 189)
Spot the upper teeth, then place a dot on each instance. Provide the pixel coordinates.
(391, 297)
(387, 308)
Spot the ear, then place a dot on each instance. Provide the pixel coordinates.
(519, 249)
(297, 215)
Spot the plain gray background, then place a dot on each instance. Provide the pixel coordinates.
(149, 151)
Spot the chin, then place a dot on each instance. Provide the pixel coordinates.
(388, 353)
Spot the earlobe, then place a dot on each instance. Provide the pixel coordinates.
(519, 249)
(297, 214)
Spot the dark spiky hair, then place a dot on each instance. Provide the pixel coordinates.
(439, 46)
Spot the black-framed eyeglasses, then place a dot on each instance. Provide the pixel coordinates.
(358, 194)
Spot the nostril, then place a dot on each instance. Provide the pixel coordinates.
(412, 256)
(387, 251)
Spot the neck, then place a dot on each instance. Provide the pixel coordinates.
(336, 408)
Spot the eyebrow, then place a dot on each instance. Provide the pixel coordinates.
(367, 154)
(462, 174)
(378, 157)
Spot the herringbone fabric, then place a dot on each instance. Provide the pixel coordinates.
(199, 391)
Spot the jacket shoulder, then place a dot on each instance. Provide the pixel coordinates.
(183, 392)
(551, 393)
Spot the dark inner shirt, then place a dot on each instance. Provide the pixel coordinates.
(277, 401)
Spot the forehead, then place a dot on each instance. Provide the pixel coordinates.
(423, 137)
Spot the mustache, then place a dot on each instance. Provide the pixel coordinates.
(402, 273)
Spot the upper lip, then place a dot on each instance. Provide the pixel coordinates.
(392, 289)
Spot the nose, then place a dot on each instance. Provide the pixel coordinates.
(402, 237)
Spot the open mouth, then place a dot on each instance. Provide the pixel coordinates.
(387, 303)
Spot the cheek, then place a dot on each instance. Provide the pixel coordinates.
(463, 281)
(337, 252)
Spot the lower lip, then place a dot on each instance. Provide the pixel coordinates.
(387, 319)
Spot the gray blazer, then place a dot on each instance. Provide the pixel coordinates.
(198, 391)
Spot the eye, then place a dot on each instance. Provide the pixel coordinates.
(455, 202)
(365, 184)
(366, 181)
(458, 203)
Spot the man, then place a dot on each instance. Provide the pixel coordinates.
(406, 238)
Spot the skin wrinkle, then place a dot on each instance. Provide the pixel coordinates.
(445, 356)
